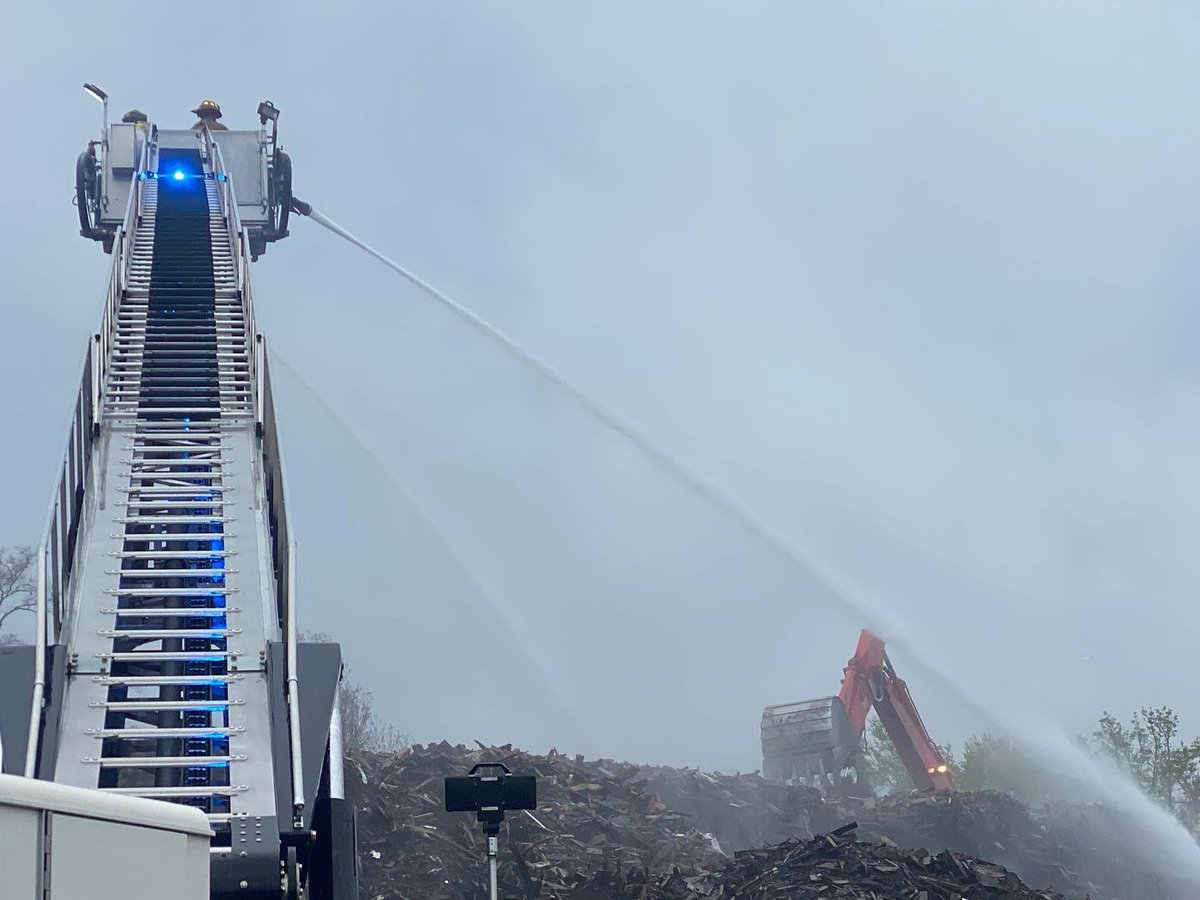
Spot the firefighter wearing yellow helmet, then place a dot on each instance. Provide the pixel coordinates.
(208, 112)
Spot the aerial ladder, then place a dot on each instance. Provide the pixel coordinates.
(819, 742)
(166, 663)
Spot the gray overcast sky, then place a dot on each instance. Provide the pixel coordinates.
(914, 281)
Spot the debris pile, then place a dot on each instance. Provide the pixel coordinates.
(592, 816)
(992, 825)
(606, 829)
(831, 867)
(741, 811)
(1076, 849)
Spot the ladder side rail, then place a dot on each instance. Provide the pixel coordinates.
(283, 547)
(54, 561)
(59, 544)
(238, 246)
(118, 278)
(283, 544)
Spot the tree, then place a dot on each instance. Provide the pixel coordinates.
(361, 730)
(17, 588)
(1150, 749)
(994, 763)
(884, 769)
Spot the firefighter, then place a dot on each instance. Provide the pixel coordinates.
(208, 112)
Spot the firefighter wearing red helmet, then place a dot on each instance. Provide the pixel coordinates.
(208, 112)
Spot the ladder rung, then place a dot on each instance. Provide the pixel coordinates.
(207, 457)
(166, 432)
(195, 442)
(154, 381)
(147, 405)
(144, 574)
(185, 480)
(148, 396)
(240, 411)
(155, 538)
(198, 791)
(136, 309)
(176, 347)
(241, 367)
(160, 634)
(164, 705)
(161, 762)
(170, 504)
(180, 465)
(195, 438)
(172, 465)
(181, 392)
(213, 448)
(126, 366)
(199, 331)
(176, 492)
(171, 656)
(171, 612)
(164, 680)
(223, 313)
(154, 734)
(172, 554)
(203, 335)
(217, 589)
(164, 355)
(173, 520)
(157, 634)
(174, 476)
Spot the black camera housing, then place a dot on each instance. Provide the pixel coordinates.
(489, 790)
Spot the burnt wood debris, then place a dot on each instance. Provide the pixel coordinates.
(605, 829)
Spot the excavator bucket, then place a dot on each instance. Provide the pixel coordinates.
(810, 742)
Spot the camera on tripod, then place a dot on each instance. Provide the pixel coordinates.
(488, 791)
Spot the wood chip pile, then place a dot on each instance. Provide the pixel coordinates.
(606, 829)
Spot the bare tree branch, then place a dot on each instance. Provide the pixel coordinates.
(361, 729)
(17, 586)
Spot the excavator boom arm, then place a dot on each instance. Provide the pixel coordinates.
(858, 688)
(924, 761)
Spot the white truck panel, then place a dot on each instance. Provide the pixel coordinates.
(98, 860)
(19, 859)
(83, 843)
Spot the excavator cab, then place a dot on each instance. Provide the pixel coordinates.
(811, 742)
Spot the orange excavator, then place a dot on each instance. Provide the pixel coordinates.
(819, 742)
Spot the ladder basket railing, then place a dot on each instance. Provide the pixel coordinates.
(283, 543)
(54, 563)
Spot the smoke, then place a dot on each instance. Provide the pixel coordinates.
(912, 282)
(1051, 745)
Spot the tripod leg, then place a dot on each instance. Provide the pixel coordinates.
(492, 843)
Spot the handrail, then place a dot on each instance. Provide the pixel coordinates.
(55, 558)
(283, 544)
(241, 263)
(122, 250)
